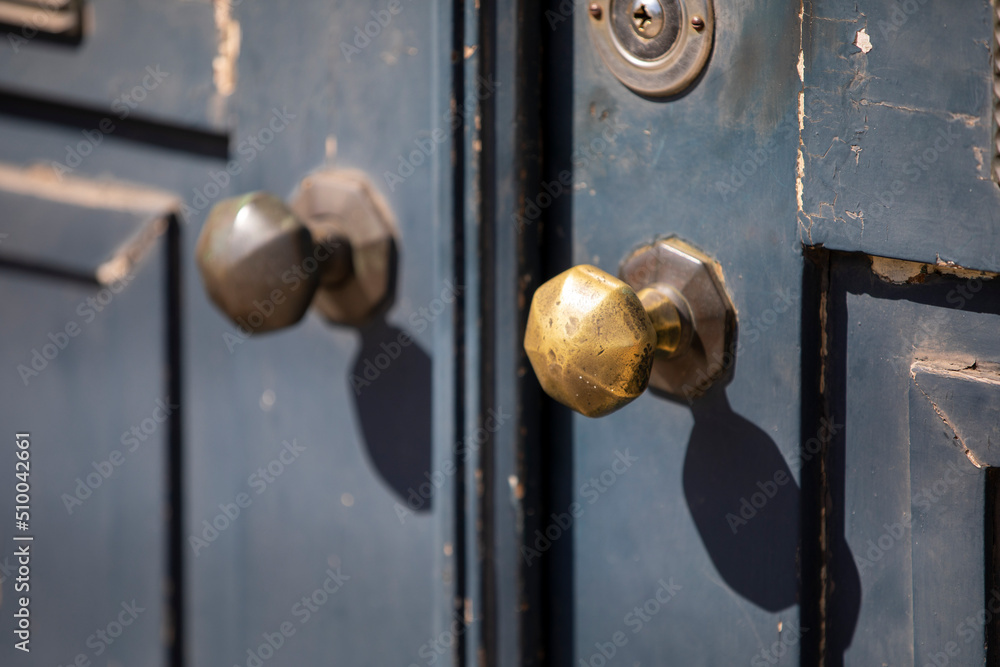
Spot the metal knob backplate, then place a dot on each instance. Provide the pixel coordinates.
(264, 263)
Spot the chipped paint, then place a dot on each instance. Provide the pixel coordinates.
(46, 183)
(977, 153)
(858, 215)
(863, 41)
(956, 436)
(516, 489)
(800, 160)
(966, 119)
(131, 253)
(800, 172)
(901, 272)
(156, 206)
(228, 36)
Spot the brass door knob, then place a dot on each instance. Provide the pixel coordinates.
(264, 263)
(595, 342)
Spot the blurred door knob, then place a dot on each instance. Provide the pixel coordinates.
(264, 263)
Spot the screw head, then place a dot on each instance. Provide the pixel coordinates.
(697, 22)
(596, 11)
(647, 18)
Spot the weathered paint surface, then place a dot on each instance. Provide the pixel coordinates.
(896, 139)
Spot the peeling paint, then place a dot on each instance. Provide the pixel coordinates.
(131, 253)
(44, 182)
(964, 118)
(858, 215)
(901, 272)
(944, 417)
(977, 153)
(800, 160)
(228, 34)
(863, 41)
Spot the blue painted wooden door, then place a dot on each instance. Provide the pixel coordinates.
(199, 497)
(832, 501)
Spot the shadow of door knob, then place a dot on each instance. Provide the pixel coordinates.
(595, 342)
(264, 263)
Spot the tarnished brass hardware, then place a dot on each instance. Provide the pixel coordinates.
(591, 340)
(698, 281)
(595, 343)
(668, 312)
(263, 262)
(344, 202)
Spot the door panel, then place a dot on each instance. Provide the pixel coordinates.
(323, 496)
(84, 376)
(913, 382)
(172, 62)
(343, 502)
(897, 141)
(340, 515)
(644, 168)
